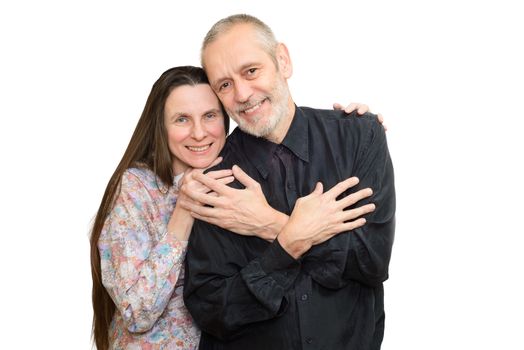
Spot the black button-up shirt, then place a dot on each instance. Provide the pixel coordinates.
(247, 293)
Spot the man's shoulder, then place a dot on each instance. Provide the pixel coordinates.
(330, 115)
(343, 124)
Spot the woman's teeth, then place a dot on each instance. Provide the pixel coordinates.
(198, 149)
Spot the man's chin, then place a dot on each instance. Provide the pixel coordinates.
(258, 129)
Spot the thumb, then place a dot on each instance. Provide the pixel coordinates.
(319, 189)
(242, 177)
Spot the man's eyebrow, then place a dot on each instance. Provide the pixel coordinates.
(243, 67)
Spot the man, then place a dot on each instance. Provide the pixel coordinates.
(317, 282)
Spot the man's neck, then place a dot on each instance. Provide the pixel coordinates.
(280, 131)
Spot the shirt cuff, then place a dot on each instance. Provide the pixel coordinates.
(270, 276)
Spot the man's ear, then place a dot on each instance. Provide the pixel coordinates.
(284, 61)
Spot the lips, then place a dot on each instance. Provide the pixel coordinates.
(252, 108)
(199, 148)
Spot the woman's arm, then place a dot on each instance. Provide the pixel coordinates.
(140, 259)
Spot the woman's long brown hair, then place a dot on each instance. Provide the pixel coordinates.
(147, 146)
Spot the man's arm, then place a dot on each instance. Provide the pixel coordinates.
(226, 289)
(235, 280)
(243, 211)
(362, 254)
(246, 211)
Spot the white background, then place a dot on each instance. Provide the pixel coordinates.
(447, 75)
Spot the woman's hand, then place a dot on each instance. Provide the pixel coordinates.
(360, 108)
(181, 221)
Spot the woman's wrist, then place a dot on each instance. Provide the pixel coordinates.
(180, 224)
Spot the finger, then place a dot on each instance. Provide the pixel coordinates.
(187, 203)
(226, 180)
(244, 178)
(337, 106)
(351, 225)
(380, 119)
(355, 197)
(362, 108)
(207, 199)
(215, 162)
(207, 219)
(193, 186)
(203, 210)
(191, 189)
(319, 188)
(357, 212)
(351, 107)
(217, 174)
(213, 184)
(341, 187)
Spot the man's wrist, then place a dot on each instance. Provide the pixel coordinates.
(277, 224)
(292, 246)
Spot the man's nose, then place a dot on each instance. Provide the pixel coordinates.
(243, 91)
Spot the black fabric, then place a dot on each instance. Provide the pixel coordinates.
(247, 293)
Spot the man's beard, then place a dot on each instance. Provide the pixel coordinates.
(279, 102)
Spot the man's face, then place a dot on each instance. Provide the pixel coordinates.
(244, 76)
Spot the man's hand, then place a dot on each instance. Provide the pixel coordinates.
(319, 216)
(245, 211)
(360, 108)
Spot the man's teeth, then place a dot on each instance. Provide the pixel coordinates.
(254, 108)
(198, 149)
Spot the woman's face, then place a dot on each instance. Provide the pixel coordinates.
(195, 126)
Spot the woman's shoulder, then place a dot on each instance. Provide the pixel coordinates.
(141, 175)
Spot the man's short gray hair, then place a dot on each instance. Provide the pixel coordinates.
(265, 35)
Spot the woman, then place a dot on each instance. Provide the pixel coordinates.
(139, 236)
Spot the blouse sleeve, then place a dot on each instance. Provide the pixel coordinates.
(138, 271)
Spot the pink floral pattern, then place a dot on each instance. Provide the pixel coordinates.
(143, 268)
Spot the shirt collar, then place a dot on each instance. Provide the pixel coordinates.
(296, 140)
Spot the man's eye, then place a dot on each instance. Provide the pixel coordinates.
(224, 86)
(251, 71)
(181, 120)
(210, 115)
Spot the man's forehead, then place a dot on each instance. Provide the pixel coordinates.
(239, 36)
(231, 56)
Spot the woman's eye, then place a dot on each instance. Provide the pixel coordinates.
(181, 120)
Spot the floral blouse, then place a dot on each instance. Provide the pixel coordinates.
(143, 268)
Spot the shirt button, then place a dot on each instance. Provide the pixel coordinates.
(304, 297)
(289, 185)
(309, 340)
